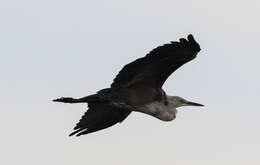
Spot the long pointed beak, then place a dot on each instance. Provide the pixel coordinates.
(193, 104)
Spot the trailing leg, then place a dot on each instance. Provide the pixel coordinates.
(67, 100)
(72, 100)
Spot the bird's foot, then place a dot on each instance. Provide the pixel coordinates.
(65, 100)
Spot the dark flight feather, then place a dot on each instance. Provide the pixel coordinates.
(99, 116)
(152, 70)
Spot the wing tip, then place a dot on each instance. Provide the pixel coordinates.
(190, 37)
(77, 132)
(193, 42)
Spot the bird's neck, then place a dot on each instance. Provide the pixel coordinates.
(160, 110)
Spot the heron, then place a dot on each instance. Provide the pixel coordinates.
(138, 88)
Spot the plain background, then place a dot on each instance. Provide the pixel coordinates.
(55, 48)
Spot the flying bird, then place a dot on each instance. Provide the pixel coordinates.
(138, 88)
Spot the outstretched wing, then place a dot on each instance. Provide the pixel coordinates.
(152, 70)
(99, 116)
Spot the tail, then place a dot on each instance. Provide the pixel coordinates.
(80, 100)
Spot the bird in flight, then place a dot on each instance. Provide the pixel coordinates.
(138, 88)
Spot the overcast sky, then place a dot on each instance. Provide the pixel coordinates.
(56, 48)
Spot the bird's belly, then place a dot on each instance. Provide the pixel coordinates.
(158, 110)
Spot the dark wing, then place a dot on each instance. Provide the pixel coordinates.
(99, 116)
(152, 70)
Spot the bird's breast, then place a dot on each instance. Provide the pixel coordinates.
(159, 110)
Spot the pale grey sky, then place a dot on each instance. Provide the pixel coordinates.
(56, 48)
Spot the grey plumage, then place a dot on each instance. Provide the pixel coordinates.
(137, 87)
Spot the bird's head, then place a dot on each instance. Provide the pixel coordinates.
(179, 102)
